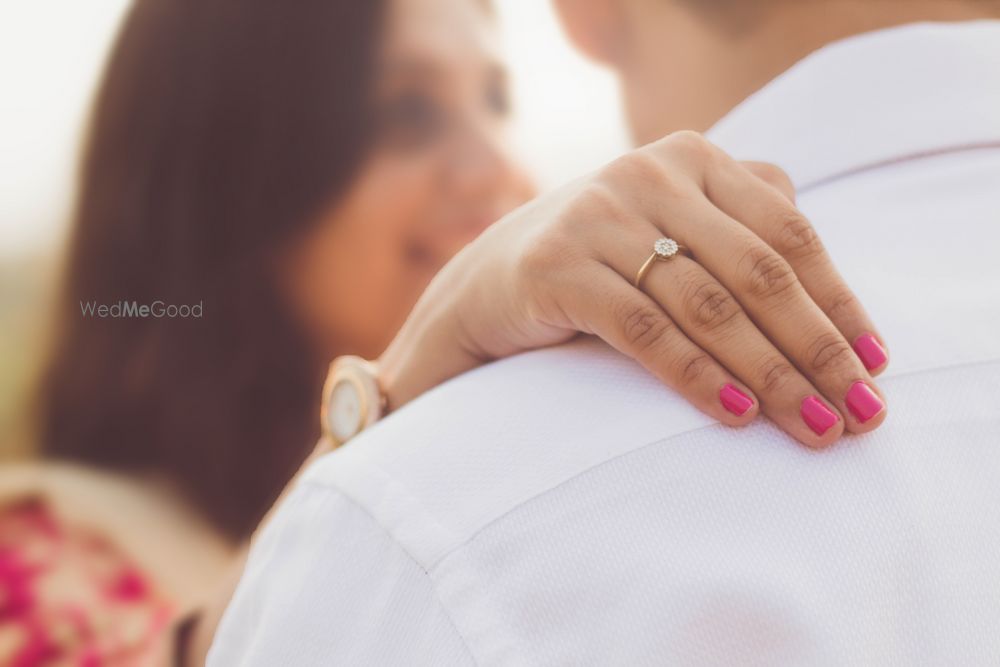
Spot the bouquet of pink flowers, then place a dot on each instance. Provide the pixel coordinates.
(70, 597)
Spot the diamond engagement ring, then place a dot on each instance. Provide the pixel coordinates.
(663, 249)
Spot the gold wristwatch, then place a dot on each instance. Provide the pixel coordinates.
(352, 399)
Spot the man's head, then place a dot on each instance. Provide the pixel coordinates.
(684, 64)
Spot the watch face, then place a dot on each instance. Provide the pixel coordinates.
(344, 410)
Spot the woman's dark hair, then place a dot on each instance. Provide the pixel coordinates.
(220, 132)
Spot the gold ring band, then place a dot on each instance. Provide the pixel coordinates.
(664, 249)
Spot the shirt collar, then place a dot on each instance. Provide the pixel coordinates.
(873, 99)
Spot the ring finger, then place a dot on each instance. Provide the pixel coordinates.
(706, 311)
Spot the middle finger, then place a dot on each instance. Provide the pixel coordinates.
(716, 322)
(769, 291)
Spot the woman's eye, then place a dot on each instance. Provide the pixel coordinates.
(498, 99)
(410, 121)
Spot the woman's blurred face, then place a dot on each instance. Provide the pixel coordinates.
(436, 177)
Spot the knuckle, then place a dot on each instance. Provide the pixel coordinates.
(766, 274)
(710, 306)
(638, 167)
(690, 144)
(597, 202)
(827, 352)
(618, 169)
(643, 169)
(774, 375)
(772, 174)
(795, 237)
(643, 326)
(644, 164)
(691, 368)
(842, 303)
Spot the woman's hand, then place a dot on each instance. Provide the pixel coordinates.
(757, 319)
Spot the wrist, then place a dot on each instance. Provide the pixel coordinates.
(425, 353)
(388, 369)
(401, 373)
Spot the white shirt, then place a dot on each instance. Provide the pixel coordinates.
(563, 508)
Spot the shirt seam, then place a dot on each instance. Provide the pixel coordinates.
(823, 181)
(472, 536)
(320, 485)
(457, 550)
(432, 520)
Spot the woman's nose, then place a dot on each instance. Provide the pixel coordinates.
(484, 169)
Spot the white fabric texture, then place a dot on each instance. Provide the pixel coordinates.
(563, 508)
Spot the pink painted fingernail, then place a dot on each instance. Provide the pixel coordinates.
(735, 400)
(817, 416)
(863, 402)
(872, 354)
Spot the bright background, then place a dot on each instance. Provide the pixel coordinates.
(51, 54)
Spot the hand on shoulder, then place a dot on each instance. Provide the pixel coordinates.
(699, 267)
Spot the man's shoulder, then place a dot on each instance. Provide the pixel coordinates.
(473, 449)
